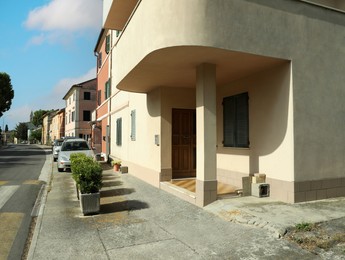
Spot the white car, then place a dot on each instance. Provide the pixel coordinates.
(70, 146)
(56, 148)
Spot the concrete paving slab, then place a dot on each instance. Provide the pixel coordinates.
(139, 221)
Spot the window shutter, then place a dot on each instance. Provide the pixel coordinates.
(107, 44)
(133, 125)
(119, 131)
(106, 90)
(99, 59)
(229, 113)
(242, 124)
(236, 121)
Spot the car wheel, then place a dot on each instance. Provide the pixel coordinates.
(60, 170)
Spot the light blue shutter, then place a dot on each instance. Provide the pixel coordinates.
(133, 125)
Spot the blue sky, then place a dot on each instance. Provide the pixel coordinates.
(46, 46)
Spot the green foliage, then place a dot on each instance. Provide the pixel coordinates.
(115, 162)
(37, 117)
(304, 226)
(22, 131)
(36, 135)
(6, 93)
(86, 172)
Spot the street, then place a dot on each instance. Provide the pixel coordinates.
(20, 168)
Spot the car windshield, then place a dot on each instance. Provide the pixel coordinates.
(58, 143)
(75, 146)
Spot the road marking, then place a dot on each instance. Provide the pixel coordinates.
(10, 223)
(32, 182)
(6, 192)
(3, 182)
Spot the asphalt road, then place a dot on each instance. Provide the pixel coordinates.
(20, 168)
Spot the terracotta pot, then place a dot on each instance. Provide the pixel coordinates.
(116, 167)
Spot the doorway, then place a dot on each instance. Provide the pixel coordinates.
(183, 143)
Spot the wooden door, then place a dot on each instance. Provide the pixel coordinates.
(183, 143)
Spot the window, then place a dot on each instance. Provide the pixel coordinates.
(73, 116)
(107, 90)
(86, 115)
(119, 131)
(99, 60)
(99, 97)
(236, 121)
(133, 125)
(74, 96)
(87, 95)
(107, 44)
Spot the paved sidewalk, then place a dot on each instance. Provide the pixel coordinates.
(138, 221)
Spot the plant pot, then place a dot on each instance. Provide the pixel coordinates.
(90, 203)
(116, 167)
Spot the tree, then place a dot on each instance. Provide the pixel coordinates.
(6, 93)
(22, 131)
(36, 135)
(37, 118)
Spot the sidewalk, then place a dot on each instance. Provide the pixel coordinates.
(138, 221)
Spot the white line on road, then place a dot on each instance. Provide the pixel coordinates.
(6, 193)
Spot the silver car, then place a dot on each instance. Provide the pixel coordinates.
(56, 148)
(70, 146)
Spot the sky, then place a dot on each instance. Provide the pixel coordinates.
(46, 46)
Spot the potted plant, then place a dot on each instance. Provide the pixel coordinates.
(116, 164)
(87, 173)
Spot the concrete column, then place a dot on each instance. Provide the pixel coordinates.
(206, 125)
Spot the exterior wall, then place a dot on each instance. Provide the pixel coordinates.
(84, 127)
(75, 103)
(71, 106)
(45, 129)
(54, 127)
(303, 153)
(271, 131)
(103, 75)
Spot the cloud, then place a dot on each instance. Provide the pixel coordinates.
(51, 101)
(61, 88)
(64, 18)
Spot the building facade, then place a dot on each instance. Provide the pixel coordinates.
(58, 124)
(80, 102)
(231, 89)
(101, 123)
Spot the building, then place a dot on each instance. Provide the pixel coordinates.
(227, 90)
(80, 102)
(47, 137)
(57, 126)
(101, 120)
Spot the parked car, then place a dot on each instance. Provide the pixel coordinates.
(56, 148)
(70, 146)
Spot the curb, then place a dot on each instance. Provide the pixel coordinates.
(39, 206)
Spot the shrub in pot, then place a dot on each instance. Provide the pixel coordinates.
(87, 173)
(116, 164)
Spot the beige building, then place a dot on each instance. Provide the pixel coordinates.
(220, 90)
(57, 125)
(47, 136)
(80, 102)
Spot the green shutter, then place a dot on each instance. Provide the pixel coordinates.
(119, 131)
(229, 116)
(236, 121)
(242, 121)
(107, 44)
